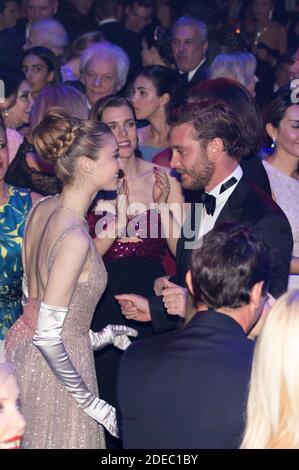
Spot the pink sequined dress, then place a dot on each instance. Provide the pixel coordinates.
(53, 418)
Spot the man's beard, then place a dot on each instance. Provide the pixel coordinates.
(201, 173)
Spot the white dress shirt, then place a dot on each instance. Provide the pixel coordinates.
(208, 221)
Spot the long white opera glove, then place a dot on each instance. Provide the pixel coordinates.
(48, 340)
(116, 334)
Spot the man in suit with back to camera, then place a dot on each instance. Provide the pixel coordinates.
(207, 145)
(187, 389)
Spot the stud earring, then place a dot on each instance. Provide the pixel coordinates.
(273, 143)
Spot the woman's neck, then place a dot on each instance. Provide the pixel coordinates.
(77, 199)
(159, 131)
(284, 162)
(130, 167)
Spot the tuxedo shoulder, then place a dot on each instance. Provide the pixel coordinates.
(149, 347)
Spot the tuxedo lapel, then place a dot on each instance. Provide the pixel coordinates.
(234, 208)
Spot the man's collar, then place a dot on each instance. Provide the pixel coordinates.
(193, 72)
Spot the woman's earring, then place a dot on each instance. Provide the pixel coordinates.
(273, 143)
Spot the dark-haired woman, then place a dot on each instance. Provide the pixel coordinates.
(133, 260)
(155, 92)
(41, 67)
(281, 118)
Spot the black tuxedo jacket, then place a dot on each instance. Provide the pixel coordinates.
(247, 204)
(200, 74)
(186, 389)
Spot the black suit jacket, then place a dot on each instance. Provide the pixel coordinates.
(188, 388)
(12, 41)
(130, 41)
(247, 204)
(200, 74)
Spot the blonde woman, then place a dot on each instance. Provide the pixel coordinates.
(272, 409)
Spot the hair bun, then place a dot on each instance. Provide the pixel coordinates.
(55, 134)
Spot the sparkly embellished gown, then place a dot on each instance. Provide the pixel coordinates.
(53, 418)
(132, 268)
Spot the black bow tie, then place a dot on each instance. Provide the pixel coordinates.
(209, 201)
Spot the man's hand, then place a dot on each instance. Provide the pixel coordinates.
(174, 298)
(134, 307)
(159, 284)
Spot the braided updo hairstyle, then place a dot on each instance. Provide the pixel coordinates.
(60, 140)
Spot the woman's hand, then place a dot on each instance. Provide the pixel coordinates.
(161, 188)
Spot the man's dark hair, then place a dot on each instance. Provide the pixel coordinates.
(231, 260)
(237, 97)
(107, 8)
(144, 3)
(213, 119)
(3, 4)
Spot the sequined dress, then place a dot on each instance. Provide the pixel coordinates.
(132, 268)
(53, 418)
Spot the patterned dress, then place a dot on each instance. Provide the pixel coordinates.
(12, 221)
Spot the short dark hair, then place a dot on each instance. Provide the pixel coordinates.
(145, 4)
(214, 119)
(3, 4)
(238, 98)
(231, 260)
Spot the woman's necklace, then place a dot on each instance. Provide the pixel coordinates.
(260, 33)
(61, 206)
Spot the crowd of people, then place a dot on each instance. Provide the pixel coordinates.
(149, 229)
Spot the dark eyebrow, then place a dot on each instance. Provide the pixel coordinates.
(142, 88)
(37, 65)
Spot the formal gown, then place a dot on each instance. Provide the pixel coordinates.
(12, 220)
(54, 420)
(285, 190)
(132, 269)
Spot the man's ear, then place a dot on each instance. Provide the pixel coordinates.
(188, 280)
(256, 294)
(214, 148)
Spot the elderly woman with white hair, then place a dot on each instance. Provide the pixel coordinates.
(239, 66)
(104, 69)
